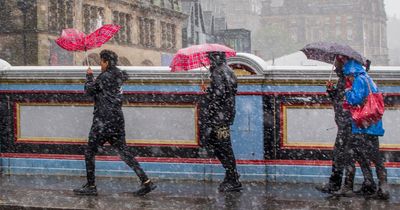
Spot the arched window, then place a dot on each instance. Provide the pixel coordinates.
(147, 63)
(123, 61)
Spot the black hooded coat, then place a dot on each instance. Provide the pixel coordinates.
(220, 96)
(106, 89)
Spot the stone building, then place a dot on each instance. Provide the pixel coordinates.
(194, 29)
(238, 14)
(208, 25)
(359, 23)
(150, 33)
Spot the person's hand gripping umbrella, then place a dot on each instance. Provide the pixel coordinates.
(195, 56)
(328, 52)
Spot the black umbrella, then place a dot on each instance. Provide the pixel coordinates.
(327, 51)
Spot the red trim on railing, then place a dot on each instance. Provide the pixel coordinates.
(158, 92)
(42, 91)
(182, 160)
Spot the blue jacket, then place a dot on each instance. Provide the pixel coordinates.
(359, 92)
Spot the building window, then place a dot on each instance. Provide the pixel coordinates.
(93, 18)
(197, 37)
(349, 33)
(175, 6)
(147, 32)
(124, 20)
(168, 35)
(169, 4)
(196, 14)
(61, 15)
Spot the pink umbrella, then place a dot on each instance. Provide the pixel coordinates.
(196, 56)
(74, 40)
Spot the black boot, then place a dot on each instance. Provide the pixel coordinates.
(381, 194)
(347, 188)
(366, 190)
(328, 188)
(86, 189)
(145, 188)
(231, 183)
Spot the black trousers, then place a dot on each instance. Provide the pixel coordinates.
(118, 143)
(366, 149)
(219, 140)
(343, 159)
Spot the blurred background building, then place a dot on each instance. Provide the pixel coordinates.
(153, 30)
(150, 34)
(207, 24)
(289, 25)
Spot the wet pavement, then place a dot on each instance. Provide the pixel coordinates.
(55, 192)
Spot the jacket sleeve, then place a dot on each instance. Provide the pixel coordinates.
(218, 86)
(92, 86)
(358, 92)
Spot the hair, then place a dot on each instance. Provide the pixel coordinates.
(109, 56)
(367, 65)
(217, 57)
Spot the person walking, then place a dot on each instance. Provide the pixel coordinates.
(108, 122)
(366, 139)
(342, 156)
(220, 111)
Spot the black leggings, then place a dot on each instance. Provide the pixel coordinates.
(118, 143)
(219, 140)
(343, 159)
(366, 148)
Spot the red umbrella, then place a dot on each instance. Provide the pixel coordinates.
(74, 40)
(196, 56)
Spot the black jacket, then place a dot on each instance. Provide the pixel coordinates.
(342, 117)
(220, 96)
(107, 93)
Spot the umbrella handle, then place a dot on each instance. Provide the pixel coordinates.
(201, 77)
(87, 58)
(333, 67)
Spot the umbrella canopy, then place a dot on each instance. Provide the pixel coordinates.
(196, 56)
(74, 40)
(326, 52)
(101, 36)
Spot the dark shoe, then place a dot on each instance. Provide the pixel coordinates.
(327, 188)
(344, 191)
(383, 195)
(86, 190)
(145, 188)
(365, 190)
(380, 195)
(230, 186)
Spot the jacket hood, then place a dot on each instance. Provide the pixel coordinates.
(353, 67)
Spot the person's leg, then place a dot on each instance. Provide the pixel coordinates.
(90, 162)
(224, 152)
(377, 159)
(90, 187)
(347, 159)
(335, 180)
(361, 152)
(119, 143)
